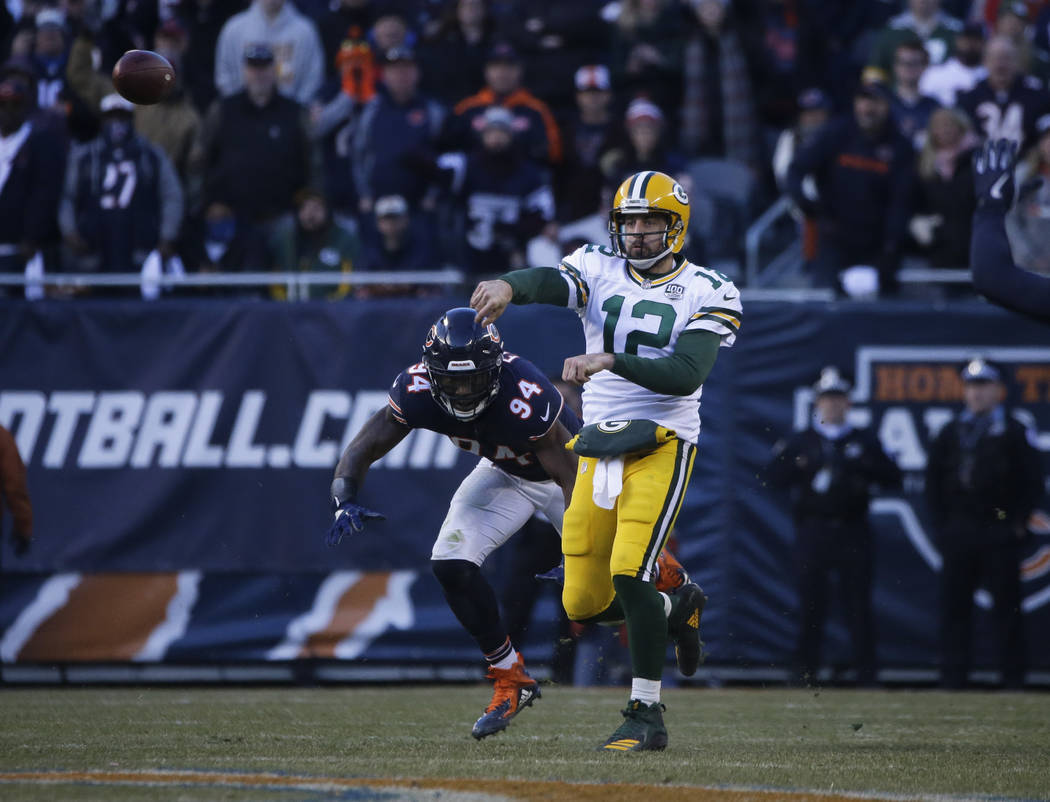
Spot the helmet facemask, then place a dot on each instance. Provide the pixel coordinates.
(620, 240)
(463, 389)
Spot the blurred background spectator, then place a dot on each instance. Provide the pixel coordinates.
(1005, 104)
(398, 240)
(254, 153)
(121, 198)
(961, 71)
(218, 242)
(863, 170)
(718, 108)
(646, 51)
(814, 110)
(645, 147)
(944, 201)
(293, 38)
(31, 167)
(505, 195)
(313, 241)
(467, 30)
(398, 123)
(590, 130)
(925, 19)
(910, 110)
(533, 123)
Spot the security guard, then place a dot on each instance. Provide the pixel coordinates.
(830, 468)
(983, 479)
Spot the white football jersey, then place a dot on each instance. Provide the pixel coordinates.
(624, 312)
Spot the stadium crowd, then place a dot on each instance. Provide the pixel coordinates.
(364, 135)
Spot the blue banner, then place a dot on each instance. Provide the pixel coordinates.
(180, 453)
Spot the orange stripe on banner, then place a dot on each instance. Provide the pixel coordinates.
(1037, 564)
(354, 606)
(107, 617)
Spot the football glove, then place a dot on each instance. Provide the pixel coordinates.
(993, 174)
(349, 517)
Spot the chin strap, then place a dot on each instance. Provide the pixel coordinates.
(645, 264)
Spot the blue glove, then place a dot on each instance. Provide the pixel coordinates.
(993, 173)
(349, 517)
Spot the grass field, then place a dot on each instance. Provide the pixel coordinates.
(370, 743)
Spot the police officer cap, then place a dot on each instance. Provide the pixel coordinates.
(980, 370)
(831, 381)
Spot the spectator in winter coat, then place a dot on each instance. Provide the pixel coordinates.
(1006, 104)
(506, 196)
(121, 198)
(397, 123)
(945, 199)
(31, 166)
(961, 71)
(293, 39)
(313, 241)
(534, 126)
(864, 173)
(254, 153)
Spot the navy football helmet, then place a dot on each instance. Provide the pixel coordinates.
(463, 359)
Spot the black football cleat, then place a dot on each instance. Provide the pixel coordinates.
(683, 626)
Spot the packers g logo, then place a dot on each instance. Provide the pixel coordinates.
(613, 426)
(679, 193)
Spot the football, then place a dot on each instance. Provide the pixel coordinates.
(143, 77)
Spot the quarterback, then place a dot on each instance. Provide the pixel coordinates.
(653, 323)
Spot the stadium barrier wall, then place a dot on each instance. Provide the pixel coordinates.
(180, 453)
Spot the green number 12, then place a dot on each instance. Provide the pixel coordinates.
(613, 307)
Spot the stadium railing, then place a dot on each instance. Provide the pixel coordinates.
(296, 284)
(787, 265)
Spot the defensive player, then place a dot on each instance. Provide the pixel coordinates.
(501, 407)
(995, 275)
(654, 323)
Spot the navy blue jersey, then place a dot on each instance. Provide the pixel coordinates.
(524, 410)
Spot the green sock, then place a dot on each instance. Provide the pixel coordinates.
(613, 614)
(646, 625)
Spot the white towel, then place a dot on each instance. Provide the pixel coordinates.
(608, 481)
(153, 268)
(35, 277)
